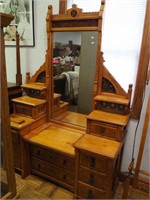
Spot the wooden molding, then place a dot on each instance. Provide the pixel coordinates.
(142, 67)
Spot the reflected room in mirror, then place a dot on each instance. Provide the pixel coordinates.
(74, 63)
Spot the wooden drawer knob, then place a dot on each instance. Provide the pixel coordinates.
(90, 194)
(102, 130)
(38, 152)
(91, 179)
(64, 177)
(92, 163)
(38, 166)
(64, 162)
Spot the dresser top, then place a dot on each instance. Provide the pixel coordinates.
(108, 117)
(29, 101)
(35, 86)
(19, 121)
(56, 137)
(99, 146)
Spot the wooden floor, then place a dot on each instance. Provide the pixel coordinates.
(34, 187)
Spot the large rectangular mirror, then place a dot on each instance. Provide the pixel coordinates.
(74, 61)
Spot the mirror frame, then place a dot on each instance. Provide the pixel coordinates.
(73, 20)
(143, 65)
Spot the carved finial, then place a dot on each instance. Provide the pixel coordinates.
(74, 11)
(27, 77)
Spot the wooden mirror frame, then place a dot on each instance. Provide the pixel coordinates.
(144, 60)
(73, 20)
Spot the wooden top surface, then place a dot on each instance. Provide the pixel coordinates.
(29, 100)
(56, 95)
(56, 137)
(99, 145)
(108, 117)
(36, 86)
(19, 122)
(112, 98)
(73, 118)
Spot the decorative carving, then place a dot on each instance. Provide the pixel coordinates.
(74, 11)
(113, 106)
(107, 86)
(41, 77)
(75, 23)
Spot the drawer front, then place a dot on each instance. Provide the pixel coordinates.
(53, 157)
(93, 178)
(104, 130)
(53, 171)
(34, 112)
(23, 109)
(39, 111)
(89, 192)
(92, 162)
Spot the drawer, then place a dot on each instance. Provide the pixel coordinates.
(90, 192)
(53, 157)
(27, 110)
(93, 162)
(93, 178)
(15, 136)
(53, 171)
(106, 130)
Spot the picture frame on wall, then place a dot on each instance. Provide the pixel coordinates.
(23, 22)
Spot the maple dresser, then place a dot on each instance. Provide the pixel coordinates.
(97, 167)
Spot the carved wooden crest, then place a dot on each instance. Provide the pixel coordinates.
(74, 11)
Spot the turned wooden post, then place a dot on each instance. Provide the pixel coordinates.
(18, 74)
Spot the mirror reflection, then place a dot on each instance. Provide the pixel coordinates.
(74, 60)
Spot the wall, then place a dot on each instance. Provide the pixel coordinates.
(133, 125)
(33, 57)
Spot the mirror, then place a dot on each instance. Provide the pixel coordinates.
(74, 41)
(74, 61)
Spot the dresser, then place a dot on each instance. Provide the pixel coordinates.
(97, 167)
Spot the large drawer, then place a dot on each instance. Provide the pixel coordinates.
(52, 157)
(90, 192)
(52, 170)
(93, 162)
(106, 130)
(93, 178)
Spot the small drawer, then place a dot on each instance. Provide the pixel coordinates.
(93, 178)
(43, 167)
(53, 157)
(28, 110)
(92, 162)
(43, 154)
(15, 136)
(52, 170)
(90, 192)
(105, 130)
